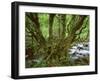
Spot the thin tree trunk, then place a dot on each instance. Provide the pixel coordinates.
(63, 19)
(59, 29)
(51, 20)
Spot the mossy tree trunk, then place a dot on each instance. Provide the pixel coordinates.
(59, 50)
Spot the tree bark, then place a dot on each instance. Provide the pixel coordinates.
(63, 22)
(51, 20)
(37, 32)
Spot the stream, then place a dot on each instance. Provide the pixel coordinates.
(80, 50)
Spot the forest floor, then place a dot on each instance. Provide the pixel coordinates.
(78, 56)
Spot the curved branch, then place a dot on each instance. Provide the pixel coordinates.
(34, 18)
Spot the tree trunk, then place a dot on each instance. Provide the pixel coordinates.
(37, 32)
(63, 22)
(51, 20)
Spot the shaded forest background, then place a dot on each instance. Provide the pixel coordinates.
(48, 38)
